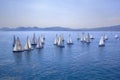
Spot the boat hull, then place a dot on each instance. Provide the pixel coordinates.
(101, 45)
(69, 43)
(61, 46)
(28, 49)
(33, 44)
(40, 47)
(18, 51)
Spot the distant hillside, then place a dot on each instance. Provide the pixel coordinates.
(111, 28)
(36, 29)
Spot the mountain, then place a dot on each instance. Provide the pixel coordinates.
(108, 28)
(57, 28)
(36, 29)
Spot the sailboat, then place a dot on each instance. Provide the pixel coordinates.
(56, 40)
(69, 42)
(39, 43)
(91, 37)
(83, 37)
(34, 41)
(42, 39)
(78, 36)
(60, 43)
(105, 37)
(17, 47)
(27, 46)
(62, 37)
(116, 36)
(14, 40)
(88, 38)
(101, 42)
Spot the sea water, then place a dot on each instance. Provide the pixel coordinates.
(79, 61)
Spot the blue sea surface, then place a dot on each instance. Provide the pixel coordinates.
(79, 61)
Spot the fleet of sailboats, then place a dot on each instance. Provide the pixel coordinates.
(58, 41)
(17, 47)
(86, 38)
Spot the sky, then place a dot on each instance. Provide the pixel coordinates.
(65, 13)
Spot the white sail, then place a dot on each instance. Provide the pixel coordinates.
(56, 40)
(42, 39)
(60, 42)
(106, 37)
(34, 41)
(101, 42)
(91, 37)
(17, 46)
(69, 40)
(83, 38)
(62, 37)
(88, 38)
(39, 43)
(27, 44)
(116, 36)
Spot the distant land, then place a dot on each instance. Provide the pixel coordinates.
(57, 28)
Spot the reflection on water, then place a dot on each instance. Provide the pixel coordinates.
(18, 57)
(101, 50)
(28, 56)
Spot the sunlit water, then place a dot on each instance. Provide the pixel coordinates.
(76, 62)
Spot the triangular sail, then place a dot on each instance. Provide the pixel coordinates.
(34, 41)
(83, 38)
(106, 37)
(116, 36)
(101, 42)
(27, 44)
(42, 39)
(60, 42)
(88, 38)
(17, 46)
(62, 37)
(69, 40)
(56, 40)
(91, 37)
(39, 43)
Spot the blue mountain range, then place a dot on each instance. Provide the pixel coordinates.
(57, 28)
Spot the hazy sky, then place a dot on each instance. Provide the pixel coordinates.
(66, 13)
